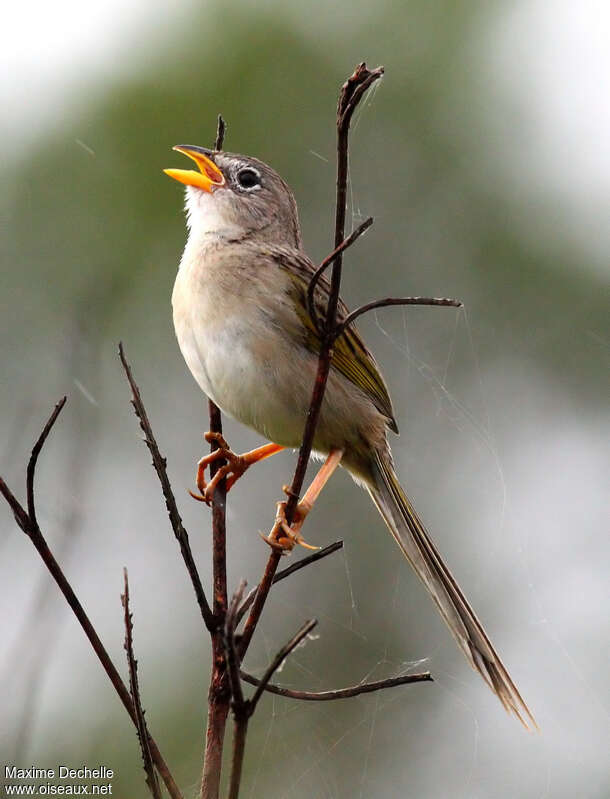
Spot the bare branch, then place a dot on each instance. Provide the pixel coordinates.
(239, 747)
(279, 659)
(220, 133)
(231, 649)
(239, 705)
(340, 693)
(219, 694)
(32, 530)
(281, 575)
(34, 458)
(311, 288)
(443, 302)
(160, 466)
(351, 94)
(132, 663)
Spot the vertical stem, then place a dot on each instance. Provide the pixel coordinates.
(219, 696)
(239, 746)
(352, 92)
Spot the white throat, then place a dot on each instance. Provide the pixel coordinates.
(206, 216)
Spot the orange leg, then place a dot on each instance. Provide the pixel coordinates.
(233, 470)
(283, 536)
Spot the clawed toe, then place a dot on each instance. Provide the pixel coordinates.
(232, 470)
(283, 537)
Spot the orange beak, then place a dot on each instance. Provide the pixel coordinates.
(209, 176)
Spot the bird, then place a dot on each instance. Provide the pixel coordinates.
(242, 322)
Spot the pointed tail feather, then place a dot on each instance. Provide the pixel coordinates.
(419, 549)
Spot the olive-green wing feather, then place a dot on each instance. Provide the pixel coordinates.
(351, 356)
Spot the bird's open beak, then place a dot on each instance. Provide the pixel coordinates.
(209, 176)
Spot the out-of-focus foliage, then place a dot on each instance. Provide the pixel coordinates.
(501, 412)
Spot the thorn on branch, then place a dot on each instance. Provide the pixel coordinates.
(134, 689)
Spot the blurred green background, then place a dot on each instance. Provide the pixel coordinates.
(484, 158)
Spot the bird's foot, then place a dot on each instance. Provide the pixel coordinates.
(283, 537)
(232, 470)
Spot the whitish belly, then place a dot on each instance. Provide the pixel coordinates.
(250, 374)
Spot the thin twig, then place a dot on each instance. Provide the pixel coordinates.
(221, 129)
(279, 659)
(160, 466)
(444, 302)
(340, 693)
(240, 730)
(134, 688)
(230, 648)
(239, 705)
(351, 94)
(281, 575)
(219, 694)
(31, 470)
(311, 288)
(32, 530)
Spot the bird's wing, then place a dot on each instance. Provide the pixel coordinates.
(351, 356)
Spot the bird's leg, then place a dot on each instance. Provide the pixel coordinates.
(233, 470)
(284, 536)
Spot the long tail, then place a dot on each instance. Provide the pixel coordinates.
(419, 549)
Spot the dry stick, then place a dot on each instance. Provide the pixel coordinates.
(132, 663)
(27, 522)
(444, 302)
(351, 94)
(160, 466)
(279, 659)
(311, 288)
(219, 690)
(341, 693)
(243, 708)
(240, 706)
(281, 575)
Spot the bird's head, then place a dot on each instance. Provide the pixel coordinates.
(235, 196)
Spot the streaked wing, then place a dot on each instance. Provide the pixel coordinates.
(351, 356)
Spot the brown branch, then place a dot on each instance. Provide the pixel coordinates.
(160, 466)
(31, 470)
(443, 302)
(231, 649)
(239, 705)
(32, 530)
(244, 708)
(311, 288)
(278, 660)
(351, 94)
(340, 693)
(239, 747)
(134, 688)
(281, 575)
(221, 129)
(219, 694)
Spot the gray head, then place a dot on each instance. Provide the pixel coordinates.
(235, 196)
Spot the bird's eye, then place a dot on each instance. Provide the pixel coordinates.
(248, 178)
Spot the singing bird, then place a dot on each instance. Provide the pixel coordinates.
(242, 323)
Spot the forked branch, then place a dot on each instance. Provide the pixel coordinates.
(29, 524)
